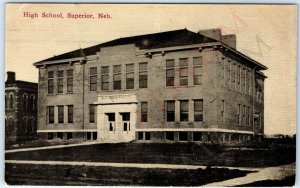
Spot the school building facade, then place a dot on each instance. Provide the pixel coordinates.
(171, 86)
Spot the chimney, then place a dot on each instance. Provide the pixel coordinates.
(212, 33)
(11, 77)
(229, 40)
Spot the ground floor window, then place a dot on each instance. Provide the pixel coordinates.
(197, 136)
(183, 136)
(140, 136)
(147, 136)
(50, 136)
(169, 135)
(69, 136)
(60, 135)
(91, 135)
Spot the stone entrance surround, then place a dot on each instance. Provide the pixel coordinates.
(116, 117)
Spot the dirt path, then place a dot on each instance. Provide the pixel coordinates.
(269, 173)
(51, 147)
(122, 165)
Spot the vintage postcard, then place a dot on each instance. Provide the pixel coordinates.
(150, 94)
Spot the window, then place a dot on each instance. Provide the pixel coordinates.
(249, 82)
(183, 136)
(170, 107)
(6, 103)
(105, 78)
(60, 135)
(147, 136)
(93, 79)
(239, 114)
(50, 111)
(25, 101)
(32, 102)
(144, 111)
(140, 135)
(229, 74)
(244, 115)
(169, 135)
(143, 75)
(117, 77)
(50, 82)
(197, 61)
(95, 135)
(233, 77)
(249, 115)
(11, 100)
(69, 135)
(111, 121)
(198, 110)
(130, 76)
(242, 79)
(184, 110)
(170, 72)
(60, 81)
(245, 80)
(70, 113)
(70, 80)
(50, 136)
(183, 72)
(222, 111)
(92, 113)
(223, 71)
(238, 77)
(197, 136)
(60, 114)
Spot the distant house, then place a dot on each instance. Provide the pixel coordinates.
(170, 86)
(20, 109)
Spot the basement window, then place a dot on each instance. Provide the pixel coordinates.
(169, 136)
(183, 136)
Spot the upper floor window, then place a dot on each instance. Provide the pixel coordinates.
(239, 114)
(170, 111)
(60, 81)
(222, 111)
(60, 114)
(93, 79)
(183, 71)
(184, 110)
(105, 78)
(25, 101)
(198, 110)
(249, 81)
(229, 74)
(70, 80)
(117, 77)
(70, 113)
(50, 82)
(32, 102)
(144, 111)
(170, 72)
(6, 101)
(143, 75)
(50, 111)
(238, 77)
(197, 61)
(11, 101)
(130, 76)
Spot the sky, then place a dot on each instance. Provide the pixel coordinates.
(266, 33)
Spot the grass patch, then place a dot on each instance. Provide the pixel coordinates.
(176, 153)
(288, 181)
(16, 174)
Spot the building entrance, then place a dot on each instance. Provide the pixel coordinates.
(116, 118)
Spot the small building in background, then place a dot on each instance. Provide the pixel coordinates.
(20, 109)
